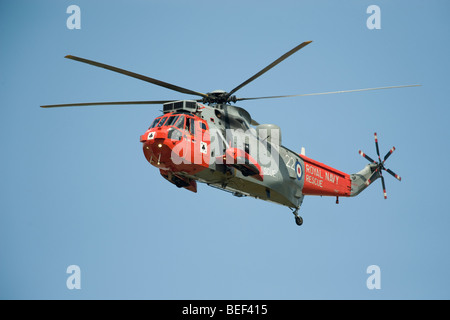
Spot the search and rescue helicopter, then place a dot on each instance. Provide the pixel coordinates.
(211, 141)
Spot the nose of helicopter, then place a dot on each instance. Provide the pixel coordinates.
(157, 148)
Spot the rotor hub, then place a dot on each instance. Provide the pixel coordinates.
(219, 96)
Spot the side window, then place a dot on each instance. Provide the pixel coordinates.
(202, 125)
(190, 125)
(174, 134)
(247, 145)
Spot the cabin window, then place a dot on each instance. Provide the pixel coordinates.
(202, 125)
(190, 125)
(174, 134)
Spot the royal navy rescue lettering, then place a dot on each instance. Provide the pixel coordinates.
(314, 181)
(332, 177)
(314, 175)
(314, 171)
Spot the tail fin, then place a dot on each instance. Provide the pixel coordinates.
(363, 179)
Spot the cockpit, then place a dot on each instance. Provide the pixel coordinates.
(179, 124)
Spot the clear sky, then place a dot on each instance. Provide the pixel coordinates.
(76, 189)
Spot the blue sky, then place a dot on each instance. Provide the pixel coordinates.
(76, 188)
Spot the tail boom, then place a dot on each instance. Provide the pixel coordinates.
(323, 180)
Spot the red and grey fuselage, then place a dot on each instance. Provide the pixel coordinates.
(191, 143)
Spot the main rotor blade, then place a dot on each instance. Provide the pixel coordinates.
(105, 103)
(270, 66)
(329, 92)
(137, 76)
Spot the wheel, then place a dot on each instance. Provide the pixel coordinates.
(298, 220)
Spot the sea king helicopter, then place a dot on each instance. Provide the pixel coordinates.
(212, 141)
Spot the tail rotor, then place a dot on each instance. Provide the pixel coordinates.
(379, 166)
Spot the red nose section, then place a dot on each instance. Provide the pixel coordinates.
(158, 148)
(176, 149)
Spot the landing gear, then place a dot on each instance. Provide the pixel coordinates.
(298, 219)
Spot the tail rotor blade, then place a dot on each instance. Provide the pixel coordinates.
(370, 180)
(384, 186)
(392, 173)
(376, 145)
(366, 156)
(388, 154)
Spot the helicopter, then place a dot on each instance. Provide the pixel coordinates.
(210, 140)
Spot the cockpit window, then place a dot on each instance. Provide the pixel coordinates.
(155, 122)
(180, 122)
(171, 121)
(161, 123)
